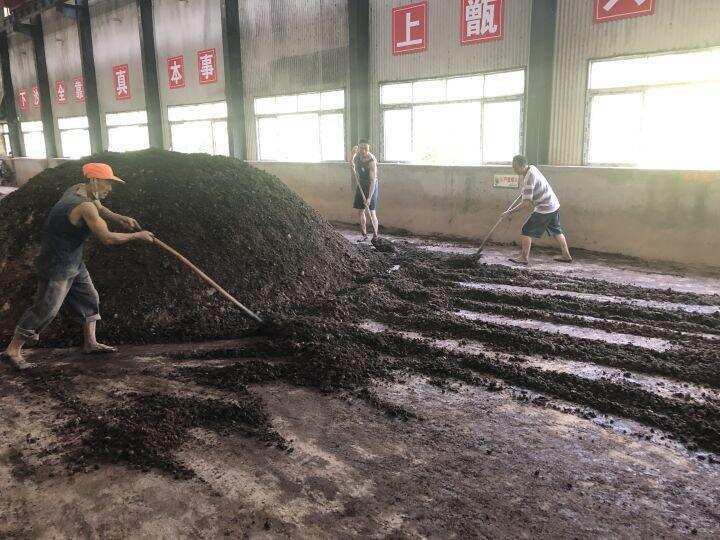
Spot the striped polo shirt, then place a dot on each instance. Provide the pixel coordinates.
(537, 189)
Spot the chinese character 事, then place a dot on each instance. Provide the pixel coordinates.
(207, 66)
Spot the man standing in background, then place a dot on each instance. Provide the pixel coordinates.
(538, 195)
(364, 165)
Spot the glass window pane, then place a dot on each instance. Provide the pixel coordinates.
(391, 94)
(299, 137)
(73, 122)
(397, 135)
(265, 105)
(75, 143)
(220, 136)
(680, 68)
(128, 138)
(501, 131)
(35, 145)
(461, 88)
(447, 134)
(334, 100)
(268, 139)
(510, 83)
(617, 73)
(680, 128)
(4, 128)
(285, 104)
(308, 102)
(332, 137)
(192, 137)
(427, 91)
(6, 138)
(27, 127)
(203, 111)
(126, 119)
(615, 129)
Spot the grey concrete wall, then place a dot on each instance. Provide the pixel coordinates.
(655, 215)
(22, 69)
(676, 25)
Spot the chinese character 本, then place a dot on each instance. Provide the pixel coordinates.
(207, 70)
(175, 77)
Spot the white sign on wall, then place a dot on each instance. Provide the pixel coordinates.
(507, 181)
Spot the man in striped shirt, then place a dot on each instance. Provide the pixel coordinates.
(538, 195)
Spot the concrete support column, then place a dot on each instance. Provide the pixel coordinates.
(16, 142)
(87, 58)
(234, 86)
(150, 76)
(539, 80)
(46, 114)
(359, 94)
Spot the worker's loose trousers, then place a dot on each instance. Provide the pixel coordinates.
(76, 295)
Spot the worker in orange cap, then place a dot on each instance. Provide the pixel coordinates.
(63, 279)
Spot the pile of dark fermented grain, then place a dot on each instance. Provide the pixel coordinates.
(244, 227)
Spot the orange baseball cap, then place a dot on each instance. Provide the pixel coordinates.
(100, 171)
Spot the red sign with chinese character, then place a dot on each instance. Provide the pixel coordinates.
(176, 72)
(35, 97)
(409, 28)
(207, 66)
(79, 89)
(23, 99)
(61, 91)
(612, 10)
(480, 20)
(121, 81)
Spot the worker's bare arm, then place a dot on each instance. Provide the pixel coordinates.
(90, 214)
(127, 222)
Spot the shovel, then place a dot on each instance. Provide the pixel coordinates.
(208, 280)
(478, 253)
(465, 261)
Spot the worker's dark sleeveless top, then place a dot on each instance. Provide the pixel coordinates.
(363, 169)
(61, 254)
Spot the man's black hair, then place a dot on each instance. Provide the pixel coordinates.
(520, 161)
(363, 141)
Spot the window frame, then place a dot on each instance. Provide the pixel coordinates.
(212, 121)
(522, 98)
(635, 89)
(108, 127)
(319, 112)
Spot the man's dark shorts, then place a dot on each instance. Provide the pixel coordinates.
(538, 224)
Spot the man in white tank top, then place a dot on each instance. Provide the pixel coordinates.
(545, 217)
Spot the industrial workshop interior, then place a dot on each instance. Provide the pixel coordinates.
(359, 269)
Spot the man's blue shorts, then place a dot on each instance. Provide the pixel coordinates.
(538, 224)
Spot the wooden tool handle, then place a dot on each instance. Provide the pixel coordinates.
(479, 250)
(207, 279)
